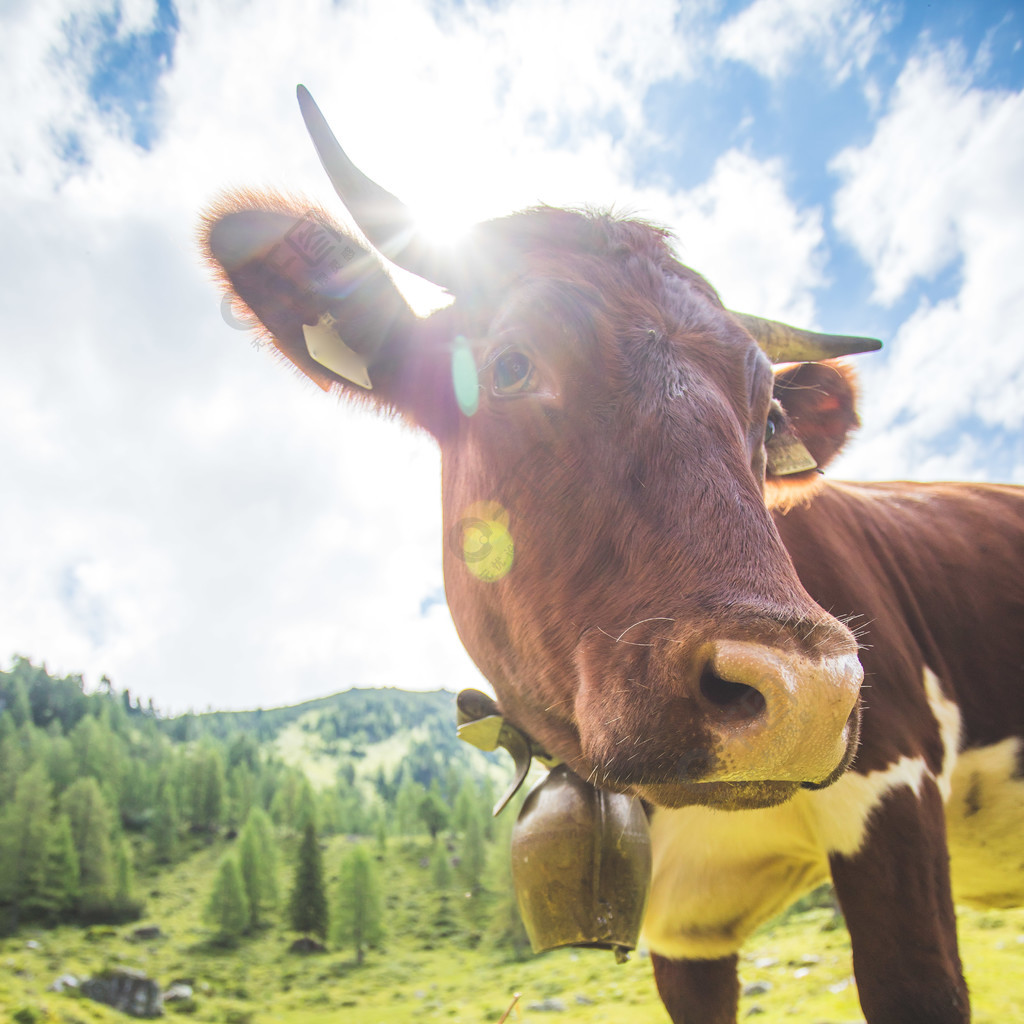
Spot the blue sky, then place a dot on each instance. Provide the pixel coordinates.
(207, 530)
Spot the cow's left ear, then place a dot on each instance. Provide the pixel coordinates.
(819, 401)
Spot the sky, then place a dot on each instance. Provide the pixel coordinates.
(183, 515)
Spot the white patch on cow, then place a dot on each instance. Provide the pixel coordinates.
(984, 823)
(947, 714)
(718, 875)
(844, 810)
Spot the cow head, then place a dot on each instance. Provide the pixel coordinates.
(609, 432)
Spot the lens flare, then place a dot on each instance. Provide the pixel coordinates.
(483, 541)
(464, 377)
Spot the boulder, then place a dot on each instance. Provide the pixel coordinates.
(127, 990)
(178, 991)
(307, 945)
(64, 982)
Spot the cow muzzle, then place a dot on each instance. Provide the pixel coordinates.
(733, 723)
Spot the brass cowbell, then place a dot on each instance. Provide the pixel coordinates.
(581, 856)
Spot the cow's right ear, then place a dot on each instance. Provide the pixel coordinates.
(327, 304)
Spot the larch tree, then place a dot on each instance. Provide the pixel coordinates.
(358, 908)
(257, 859)
(228, 907)
(91, 826)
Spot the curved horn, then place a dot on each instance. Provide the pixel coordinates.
(784, 344)
(386, 221)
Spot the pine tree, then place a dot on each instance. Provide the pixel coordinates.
(257, 859)
(228, 908)
(358, 914)
(307, 908)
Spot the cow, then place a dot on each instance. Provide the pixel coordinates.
(801, 679)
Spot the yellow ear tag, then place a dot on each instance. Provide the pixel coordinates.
(786, 456)
(325, 345)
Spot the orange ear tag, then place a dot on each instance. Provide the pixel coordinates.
(324, 344)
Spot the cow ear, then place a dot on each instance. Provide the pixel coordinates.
(324, 300)
(819, 403)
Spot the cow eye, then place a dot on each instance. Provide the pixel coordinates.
(774, 420)
(513, 373)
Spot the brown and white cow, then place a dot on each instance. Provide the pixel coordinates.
(642, 560)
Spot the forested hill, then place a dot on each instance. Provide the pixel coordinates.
(95, 787)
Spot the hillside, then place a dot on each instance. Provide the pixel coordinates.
(112, 818)
(360, 735)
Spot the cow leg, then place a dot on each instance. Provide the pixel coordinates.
(895, 893)
(698, 991)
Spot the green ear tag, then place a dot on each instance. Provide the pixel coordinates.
(325, 346)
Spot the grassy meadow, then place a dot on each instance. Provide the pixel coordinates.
(433, 968)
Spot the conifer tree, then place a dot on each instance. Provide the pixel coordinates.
(25, 829)
(358, 914)
(434, 811)
(242, 791)
(304, 810)
(257, 859)
(440, 866)
(466, 804)
(409, 797)
(91, 823)
(228, 907)
(124, 872)
(61, 885)
(307, 907)
(473, 855)
(206, 789)
(166, 822)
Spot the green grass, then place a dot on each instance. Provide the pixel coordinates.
(422, 975)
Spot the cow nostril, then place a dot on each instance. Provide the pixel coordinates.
(734, 702)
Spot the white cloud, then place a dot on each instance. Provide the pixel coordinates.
(761, 251)
(192, 520)
(771, 35)
(939, 186)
